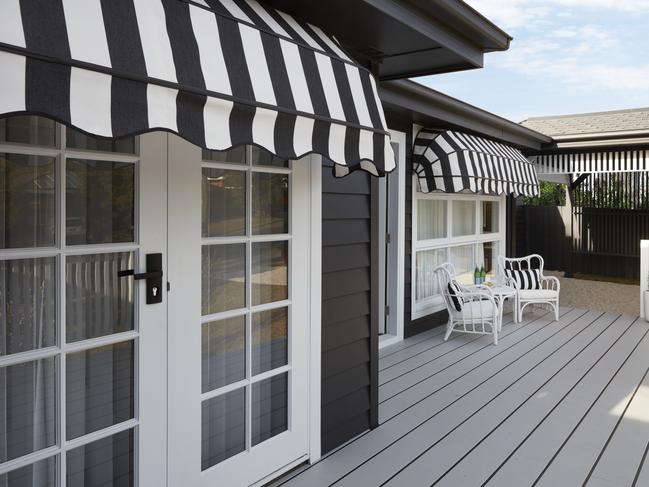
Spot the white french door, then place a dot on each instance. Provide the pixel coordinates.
(238, 323)
(97, 387)
(82, 358)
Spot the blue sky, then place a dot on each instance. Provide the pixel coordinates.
(567, 56)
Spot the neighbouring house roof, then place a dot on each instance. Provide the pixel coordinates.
(597, 123)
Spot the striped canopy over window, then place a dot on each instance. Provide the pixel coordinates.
(219, 73)
(592, 162)
(455, 162)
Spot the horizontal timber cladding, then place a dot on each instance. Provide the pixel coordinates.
(349, 331)
(410, 326)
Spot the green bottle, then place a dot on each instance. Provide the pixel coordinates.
(483, 275)
(476, 276)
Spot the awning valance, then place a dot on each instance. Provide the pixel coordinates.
(219, 73)
(453, 162)
(592, 162)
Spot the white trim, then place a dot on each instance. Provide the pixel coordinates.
(394, 328)
(315, 309)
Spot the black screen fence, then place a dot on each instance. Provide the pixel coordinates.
(598, 234)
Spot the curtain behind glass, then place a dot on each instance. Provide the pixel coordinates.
(431, 219)
(427, 261)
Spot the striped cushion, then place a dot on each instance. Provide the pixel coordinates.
(525, 278)
(454, 290)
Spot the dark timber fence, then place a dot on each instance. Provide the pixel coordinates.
(600, 234)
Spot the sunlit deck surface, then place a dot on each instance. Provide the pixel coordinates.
(554, 404)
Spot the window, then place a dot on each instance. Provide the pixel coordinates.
(466, 230)
(69, 328)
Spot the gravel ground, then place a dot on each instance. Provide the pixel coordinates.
(604, 296)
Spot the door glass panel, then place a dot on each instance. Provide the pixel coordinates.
(224, 203)
(261, 157)
(269, 203)
(236, 155)
(98, 301)
(463, 218)
(431, 219)
(79, 140)
(27, 408)
(463, 260)
(27, 304)
(269, 408)
(27, 201)
(39, 474)
(28, 130)
(100, 202)
(269, 340)
(99, 388)
(223, 278)
(490, 217)
(269, 272)
(223, 432)
(427, 261)
(103, 463)
(224, 352)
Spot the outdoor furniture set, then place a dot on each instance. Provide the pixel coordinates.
(479, 308)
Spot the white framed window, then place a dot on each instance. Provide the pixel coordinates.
(467, 230)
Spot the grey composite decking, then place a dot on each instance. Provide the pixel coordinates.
(554, 404)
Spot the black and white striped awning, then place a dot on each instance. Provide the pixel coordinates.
(452, 162)
(219, 73)
(592, 162)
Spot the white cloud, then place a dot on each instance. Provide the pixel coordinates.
(579, 58)
(511, 14)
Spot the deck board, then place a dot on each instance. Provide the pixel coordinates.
(555, 402)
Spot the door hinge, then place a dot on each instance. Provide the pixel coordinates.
(388, 237)
(387, 310)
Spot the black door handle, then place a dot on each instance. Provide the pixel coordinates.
(153, 277)
(141, 275)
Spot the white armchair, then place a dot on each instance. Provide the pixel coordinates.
(530, 291)
(471, 309)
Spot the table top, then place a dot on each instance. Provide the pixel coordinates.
(503, 290)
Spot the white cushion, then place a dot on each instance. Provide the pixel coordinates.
(537, 294)
(476, 310)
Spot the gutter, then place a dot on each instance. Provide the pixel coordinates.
(495, 39)
(428, 107)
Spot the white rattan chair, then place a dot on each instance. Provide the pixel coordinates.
(548, 294)
(478, 311)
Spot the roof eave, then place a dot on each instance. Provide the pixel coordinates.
(427, 104)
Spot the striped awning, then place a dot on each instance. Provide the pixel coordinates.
(592, 162)
(219, 73)
(453, 162)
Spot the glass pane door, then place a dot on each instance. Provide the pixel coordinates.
(239, 334)
(69, 331)
(245, 301)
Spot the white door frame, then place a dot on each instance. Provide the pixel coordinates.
(315, 308)
(151, 447)
(394, 328)
(307, 215)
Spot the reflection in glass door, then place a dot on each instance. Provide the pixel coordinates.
(245, 301)
(69, 332)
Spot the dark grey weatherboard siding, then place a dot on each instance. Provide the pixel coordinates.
(348, 335)
(218, 73)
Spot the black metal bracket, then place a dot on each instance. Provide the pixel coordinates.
(152, 276)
